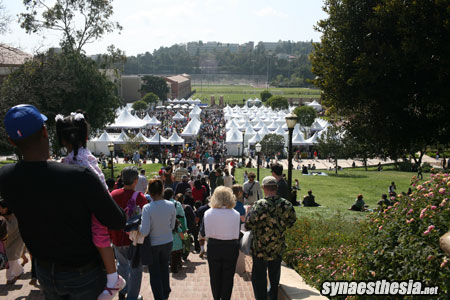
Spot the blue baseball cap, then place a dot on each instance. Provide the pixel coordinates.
(23, 120)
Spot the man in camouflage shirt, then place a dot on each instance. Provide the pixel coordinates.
(268, 221)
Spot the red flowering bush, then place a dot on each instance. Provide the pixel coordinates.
(401, 242)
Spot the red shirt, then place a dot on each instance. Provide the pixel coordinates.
(198, 194)
(121, 196)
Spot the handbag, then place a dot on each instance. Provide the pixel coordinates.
(245, 242)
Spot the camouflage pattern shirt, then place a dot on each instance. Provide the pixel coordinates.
(268, 221)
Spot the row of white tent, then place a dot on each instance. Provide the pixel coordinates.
(248, 126)
(126, 120)
(189, 101)
(100, 144)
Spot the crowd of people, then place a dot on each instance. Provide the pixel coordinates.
(99, 233)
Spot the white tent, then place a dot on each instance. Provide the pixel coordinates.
(178, 117)
(122, 138)
(312, 140)
(315, 105)
(273, 126)
(298, 140)
(126, 120)
(280, 131)
(259, 126)
(147, 118)
(157, 139)
(175, 139)
(232, 124)
(316, 126)
(142, 137)
(196, 111)
(233, 136)
(256, 139)
(263, 131)
(154, 122)
(100, 145)
(192, 128)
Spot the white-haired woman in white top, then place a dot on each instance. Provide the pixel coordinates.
(221, 225)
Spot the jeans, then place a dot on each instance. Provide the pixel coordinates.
(222, 258)
(159, 271)
(133, 276)
(71, 285)
(259, 278)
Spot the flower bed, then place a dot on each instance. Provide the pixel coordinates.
(399, 242)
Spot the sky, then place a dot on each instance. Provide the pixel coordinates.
(150, 24)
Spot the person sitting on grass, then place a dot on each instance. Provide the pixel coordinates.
(384, 201)
(309, 200)
(359, 204)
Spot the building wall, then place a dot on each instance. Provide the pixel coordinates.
(130, 88)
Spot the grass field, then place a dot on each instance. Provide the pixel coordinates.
(233, 94)
(337, 193)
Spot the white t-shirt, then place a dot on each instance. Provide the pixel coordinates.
(222, 223)
(141, 185)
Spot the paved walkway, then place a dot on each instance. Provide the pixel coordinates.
(190, 283)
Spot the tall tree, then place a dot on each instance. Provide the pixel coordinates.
(332, 144)
(66, 16)
(306, 115)
(272, 144)
(156, 85)
(278, 102)
(61, 84)
(383, 65)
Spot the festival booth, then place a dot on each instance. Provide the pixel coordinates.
(195, 112)
(154, 122)
(175, 140)
(157, 139)
(178, 117)
(233, 142)
(255, 139)
(122, 138)
(147, 118)
(192, 128)
(126, 120)
(315, 105)
(142, 138)
(273, 126)
(100, 145)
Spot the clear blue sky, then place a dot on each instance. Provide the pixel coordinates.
(150, 24)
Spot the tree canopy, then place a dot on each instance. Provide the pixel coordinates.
(150, 98)
(278, 102)
(156, 85)
(383, 66)
(140, 105)
(306, 115)
(272, 143)
(265, 95)
(66, 16)
(61, 84)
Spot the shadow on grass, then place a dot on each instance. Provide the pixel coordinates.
(347, 175)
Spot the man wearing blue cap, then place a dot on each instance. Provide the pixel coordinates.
(54, 211)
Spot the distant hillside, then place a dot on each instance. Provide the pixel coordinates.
(284, 63)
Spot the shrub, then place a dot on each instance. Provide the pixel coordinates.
(426, 167)
(401, 242)
(321, 249)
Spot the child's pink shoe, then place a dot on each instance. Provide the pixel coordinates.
(110, 293)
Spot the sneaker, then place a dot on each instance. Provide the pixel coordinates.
(33, 281)
(112, 292)
(202, 253)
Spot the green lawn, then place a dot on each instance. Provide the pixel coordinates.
(233, 94)
(150, 169)
(337, 193)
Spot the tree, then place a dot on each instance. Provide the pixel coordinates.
(61, 84)
(150, 98)
(333, 144)
(272, 144)
(5, 19)
(65, 15)
(140, 105)
(383, 65)
(265, 95)
(306, 115)
(278, 102)
(156, 85)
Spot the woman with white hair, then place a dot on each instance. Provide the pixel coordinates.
(221, 225)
